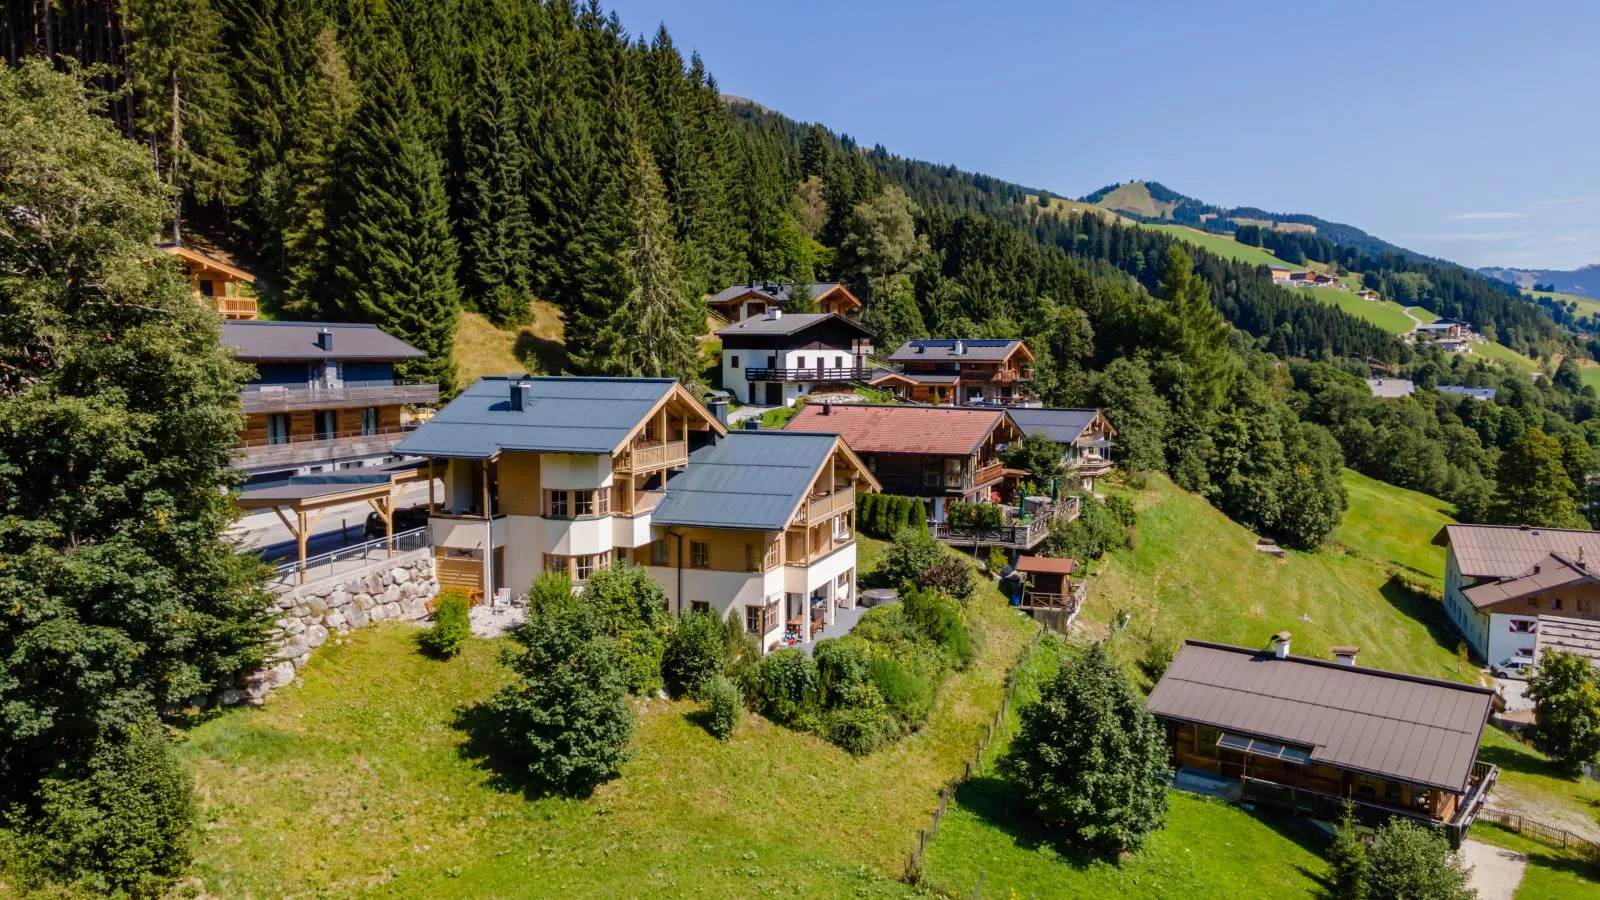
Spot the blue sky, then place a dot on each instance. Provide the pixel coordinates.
(1467, 130)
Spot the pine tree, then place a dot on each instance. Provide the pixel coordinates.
(392, 258)
(560, 188)
(495, 225)
(1202, 332)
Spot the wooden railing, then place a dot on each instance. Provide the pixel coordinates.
(823, 508)
(307, 448)
(1017, 533)
(234, 307)
(813, 373)
(649, 457)
(987, 473)
(271, 398)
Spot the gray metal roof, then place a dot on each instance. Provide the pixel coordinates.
(788, 323)
(259, 340)
(1391, 387)
(564, 415)
(777, 293)
(1061, 425)
(319, 484)
(748, 479)
(1475, 393)
(1550, 573)
(1508, 551)
(1417, 730)
(978, 349)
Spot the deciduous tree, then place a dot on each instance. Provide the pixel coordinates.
(1566, 691)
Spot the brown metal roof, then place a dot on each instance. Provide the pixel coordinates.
(1417, 730)
(1045, 564)
(939, 430)
(1552, 572)
(1507, 551)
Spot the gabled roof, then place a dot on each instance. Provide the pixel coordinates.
(1553, 571)
(1391, 387)
(195, 258)
(940, 430)
(1475, 393)
(944, 349)
(1417, 730)
(1046, 565)
(915, 378)
(562, 415)
(1508, 551)
(1061, 425)
(788, 323)
(774, 292)
(751, 480)
(260, 340)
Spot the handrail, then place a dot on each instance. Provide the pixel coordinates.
(644, 457)
(826, 507)
(270, 398)
(300, 441)
(310, 387)
(292, 574)
(810, 373)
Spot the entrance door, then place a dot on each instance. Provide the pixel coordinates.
(774, 394)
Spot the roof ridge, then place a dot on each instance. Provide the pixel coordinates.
(253, 323)
(1331, 664)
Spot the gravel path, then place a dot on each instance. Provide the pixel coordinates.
(1496, 872)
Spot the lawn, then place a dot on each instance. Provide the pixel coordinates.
(1422, 315)
(1552, 873)
(1385, 314)
(354, 782)
(1395, 526)
(482, 348)
(1194, 573)
(1220, 244)
(1589, 373)
(1501, 353)
(1587, 306)
(1531, 786)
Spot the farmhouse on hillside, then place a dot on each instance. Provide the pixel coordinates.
(746, 301)
(1308, 734)
(216, 283)
(776, 358)
(569, 475)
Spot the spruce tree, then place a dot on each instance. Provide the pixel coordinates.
(495, 226)
(392, 258)
(560, 193)
(1202, 333)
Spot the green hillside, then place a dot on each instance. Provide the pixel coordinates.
(1394, 526)
(1134, 197)
(1386, 314)
(1500, 353)
(1220, 244)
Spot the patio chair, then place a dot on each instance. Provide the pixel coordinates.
(501, 602)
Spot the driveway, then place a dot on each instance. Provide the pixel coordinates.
(1515, 690)
(1496, 872)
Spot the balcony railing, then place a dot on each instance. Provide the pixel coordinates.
(1017, 533)
(814, 373)
(272, 398)
(1091, 465)
(820, 509)
(987, 473)
(312, 448)
(649, 457)
(234, 307)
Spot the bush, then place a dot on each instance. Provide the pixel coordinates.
(884, 515)
(631, 607)
(905, 689)
(911, 554)
(695, 652)
(124, 826)
(451, 626)
(997, 560)
(862, 723)
(783, 686)
(950, 576)
(1411, 860)
(740, 650)
(842, 665)
(1089, 755)
(974, 515)
(565, 721)
(1156, 660)
(940, 621)
(724, 705)
(1121, 509)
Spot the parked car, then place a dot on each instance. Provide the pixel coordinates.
(1512, 667)
(404, 520)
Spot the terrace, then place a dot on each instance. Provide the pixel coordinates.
(314, 448)
(810, 373)
(1016, 531)
(270, 398)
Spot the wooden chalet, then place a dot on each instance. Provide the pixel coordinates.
(216, 283)
(752, 300)
(978, 372)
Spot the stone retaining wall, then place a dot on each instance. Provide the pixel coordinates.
(395, 588)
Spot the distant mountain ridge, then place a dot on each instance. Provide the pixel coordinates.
(1583, 281)
(1154, 201)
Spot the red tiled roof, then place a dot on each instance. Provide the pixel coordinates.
(943, 430)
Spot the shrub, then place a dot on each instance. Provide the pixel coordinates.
(905, 689)
(997, 560)
(862, 723)
(940, 621)
(842, 665)
(1347, 859)
(783, 686)
(911, 554)
(122, 827)
(1121, 509)
(630, 607)
(1566, 720)
(1088, 754)
(695, 651)
(1411, 860)
(724, 705)
(451, 626)
(1156, 659)
(974, 515)
(565, 720)
(740, 649)
(950, 576)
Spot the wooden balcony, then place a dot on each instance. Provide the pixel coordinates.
(820, 509)
(233, 307)
(271, 398)
(987, 473)
(1092, 465)
(648, 457)
(1017, 533)
(317, 448)
(815, 373)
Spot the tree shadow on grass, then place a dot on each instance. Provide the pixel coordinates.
(549, 357)
(1421, 607)
(487, 749)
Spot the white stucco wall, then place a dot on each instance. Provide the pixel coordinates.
(1504, 643)
(1471, 624)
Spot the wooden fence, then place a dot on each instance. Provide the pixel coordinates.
(925, 836)
(1550, 834)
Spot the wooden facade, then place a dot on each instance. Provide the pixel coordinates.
(223, 287)
(989, 380)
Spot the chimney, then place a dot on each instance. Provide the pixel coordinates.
(719, 408)
(827, 409)
(961, 348)
(1280, 645)
(774, 313)
(325, 340)
(1345, 656)
(521, 395)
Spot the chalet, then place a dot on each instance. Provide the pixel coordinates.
(1310, 734)
(752, 300)
(1084, 435)
(944, 455)
(1441, 329)
(1369, 294)
(776, 358)
(1280, 274)
(968, 372)
(570, 475)
(216, 283)
(324, 396)
(1476, 393)
(1499, 579)
(1046, 583)
(1391, 388)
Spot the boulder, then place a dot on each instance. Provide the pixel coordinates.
(232, 697)
(281, 674)
(391, 593)
(334, 619)
(365, 601)
(378, 613)
(317, 605)
(355, 617)
(300, 661)
(339, 599)
(301, 611)
(291, 648)
(399, 575)
(412, 609)
(391, 610)
(316, 636)
(287, 601)
(294, 627)
(372, 584)
(257, 685)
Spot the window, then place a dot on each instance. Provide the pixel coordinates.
(750, 558)
(872, 464)
(660, 552)
(327, 425)
(699, 606)
(733, 362)
(838, 362)
(208, 289)
(587, 564)
(582, 503)
(1555, 602)
(700, 554)
(1524, 626)
(1533, 602)
(753, 621)
(555, 563)
(770, 617)
(557, 506)
(278, 428)
(602, 505)
(1585, 605)
(369, 420)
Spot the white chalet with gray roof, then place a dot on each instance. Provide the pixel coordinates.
(776, 358)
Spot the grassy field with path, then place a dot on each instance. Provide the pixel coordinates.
(1501, 353)
(1385, 314)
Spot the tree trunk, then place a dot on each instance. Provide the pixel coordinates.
(172, 163)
